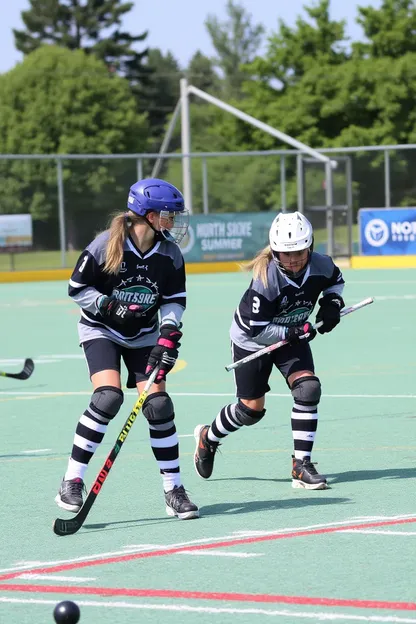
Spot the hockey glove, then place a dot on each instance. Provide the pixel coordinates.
(118, 311)
(300, 332)
(329, 312)
(165, 353)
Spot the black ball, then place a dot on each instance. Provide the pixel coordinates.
(67, 611)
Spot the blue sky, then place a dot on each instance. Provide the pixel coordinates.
(178, 25)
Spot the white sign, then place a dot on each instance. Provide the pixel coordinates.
(16, 230)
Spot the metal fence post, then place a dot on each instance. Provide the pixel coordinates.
(387, 193)
(61, 211)
(329, 209)
(299, 180)
(350, 200)
(139, 166)
(205, 204)
(283, 183)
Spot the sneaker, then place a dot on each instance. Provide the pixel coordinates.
(305, 475)
(204, 452)
(178, 504)
(69, 496)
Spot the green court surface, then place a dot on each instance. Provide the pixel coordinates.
(261, 551)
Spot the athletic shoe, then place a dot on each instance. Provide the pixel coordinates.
(204, 452)
(305, 475)
(178, 504)
(69, 496)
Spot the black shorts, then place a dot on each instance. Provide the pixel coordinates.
(103, 354)
(252, 378)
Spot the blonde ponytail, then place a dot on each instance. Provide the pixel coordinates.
(119, 231)
(259, 264)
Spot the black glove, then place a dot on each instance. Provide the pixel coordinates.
(301, 332)
(165, 353)
(329, 312)
(118, 311)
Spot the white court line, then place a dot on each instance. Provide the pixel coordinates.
(184, 608)
(208, 394)
(220, 553)
(394, 297)
(132, 548)
(379, 532)
(35, 451)
(52, 577)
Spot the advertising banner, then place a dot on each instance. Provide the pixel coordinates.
(387, 231)
(15, 231)
(226, 237)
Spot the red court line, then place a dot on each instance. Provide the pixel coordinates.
(77, 565)
(196, 595)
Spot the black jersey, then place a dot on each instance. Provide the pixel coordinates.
(154, 280)
(265, 311)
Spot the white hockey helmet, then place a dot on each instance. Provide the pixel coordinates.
(290, 232)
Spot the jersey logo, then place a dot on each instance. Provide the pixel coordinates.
(145, 296)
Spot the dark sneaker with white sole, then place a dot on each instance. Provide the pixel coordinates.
(204, 452)
(305, 475)
(178, 504)
(69, 496)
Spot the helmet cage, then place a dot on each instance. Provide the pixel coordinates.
(285, 270)
(174, 224)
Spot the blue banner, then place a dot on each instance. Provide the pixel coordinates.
(387, 232)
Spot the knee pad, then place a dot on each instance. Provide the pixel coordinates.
(306, 390)
(247, 416)
(158, 408)
(106, 401)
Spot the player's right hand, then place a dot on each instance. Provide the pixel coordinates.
(301, 332)
(118, 311)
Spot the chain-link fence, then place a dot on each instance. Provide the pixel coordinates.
(72, 197)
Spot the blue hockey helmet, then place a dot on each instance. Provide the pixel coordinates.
(153, 194)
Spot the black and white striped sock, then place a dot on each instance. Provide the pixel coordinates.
(89, 434)
(304, 424)
(165, 447)
(224, 424)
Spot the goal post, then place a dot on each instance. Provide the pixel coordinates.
(183, 104)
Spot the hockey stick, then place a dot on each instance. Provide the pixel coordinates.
(28, 369)
(277, 345)
(69, 527)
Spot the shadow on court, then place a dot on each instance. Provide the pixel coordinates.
(343, 477)
(270, 505)
(371, 475)
(223, 508)
(125, 524)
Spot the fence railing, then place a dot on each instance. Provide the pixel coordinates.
(71, 196)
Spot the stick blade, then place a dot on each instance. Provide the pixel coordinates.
(66, 527)
(28, 369)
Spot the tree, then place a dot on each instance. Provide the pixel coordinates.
(201, 73)
(91, 25)
(292, 51)
(65, 102)
(162, 91)
(390, 29)
(236, 42)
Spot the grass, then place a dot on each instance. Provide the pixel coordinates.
(37, 260)
(46, 260)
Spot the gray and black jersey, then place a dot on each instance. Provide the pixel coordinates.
(265, 311)
(154, 280)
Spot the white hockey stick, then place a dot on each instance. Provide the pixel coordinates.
(277, 345)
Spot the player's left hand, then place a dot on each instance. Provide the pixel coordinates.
(165, 353)
(329, 312)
